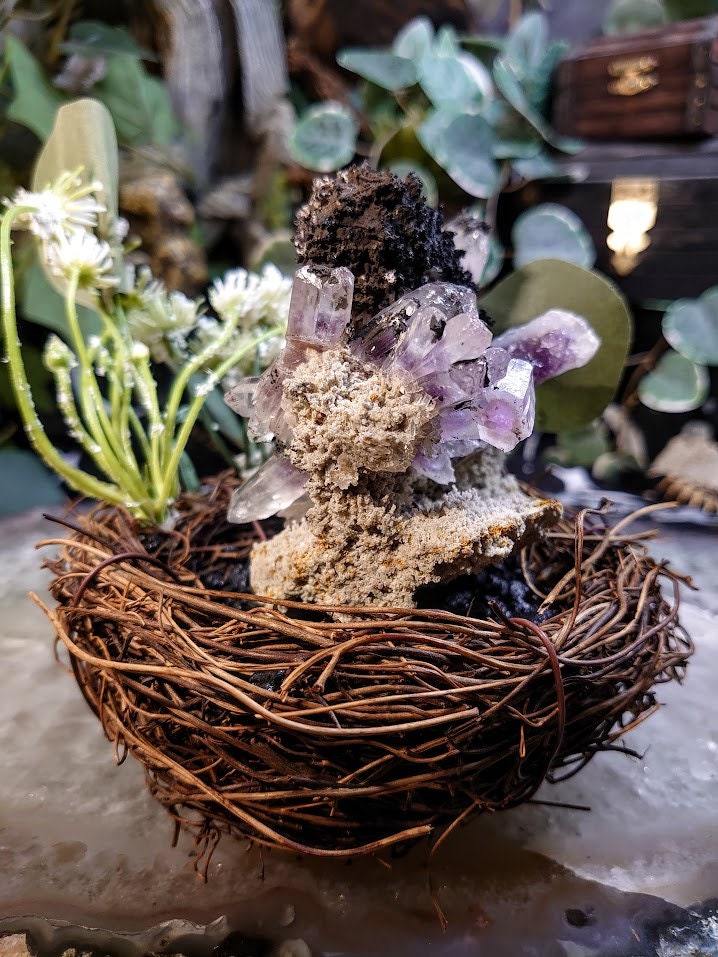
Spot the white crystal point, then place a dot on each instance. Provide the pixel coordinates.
(506, 407)
(274, 486)
(241, 398)
(553, 343)
(320, 306)
(473, 238)
(379, 336)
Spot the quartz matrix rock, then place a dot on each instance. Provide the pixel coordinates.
(370, 423)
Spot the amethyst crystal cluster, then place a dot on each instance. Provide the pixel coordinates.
(479, 389)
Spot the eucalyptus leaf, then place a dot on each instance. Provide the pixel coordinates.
(629, 16)
(691, 327)
(551, 231)
(515, 138)
(402, 168)
(446, 42)
(527, 44)
(463, 146)
(449, 83)
(324, 138)
(227, 421)
(93, 38)
(35, 102)
(26, 482)
(509, 84)
(540, 166)
(414, 40)
(139, 103)
(675, 385)
(387, 70)
(495, 262)
(574, 399)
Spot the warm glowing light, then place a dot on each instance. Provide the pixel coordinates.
(632, 213)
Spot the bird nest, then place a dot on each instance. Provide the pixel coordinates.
(346, 737)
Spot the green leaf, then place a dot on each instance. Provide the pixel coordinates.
(43, 304)
(463, 145)
(540, 166)
(628, 16)
(94, 38)
(402, 168)
(35, 102)
(387, 70)
(446, 42)
(83, 136)
(527, 44)
(580, 446)
(277, 249)
(551, 231)
(414, 40)
(573, 399)
(26, 482)
(675, 385)
(452, 83)
(324, 138)
(509, 84)
(139, 103)
(515, 138)
(691, 327)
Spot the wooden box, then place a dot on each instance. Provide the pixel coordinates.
(654, 84)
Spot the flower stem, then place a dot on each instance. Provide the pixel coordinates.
(78, 479)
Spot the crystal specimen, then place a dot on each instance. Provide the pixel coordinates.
(553, 343)
(473, 237)
(274, 486)
(432, 349)
(319, 312)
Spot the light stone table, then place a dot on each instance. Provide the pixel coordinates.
(82, 842)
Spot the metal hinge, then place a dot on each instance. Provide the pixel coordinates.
(633, 75)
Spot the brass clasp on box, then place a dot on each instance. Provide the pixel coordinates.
(632, 75)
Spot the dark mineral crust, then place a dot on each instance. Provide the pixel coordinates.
(380, 227)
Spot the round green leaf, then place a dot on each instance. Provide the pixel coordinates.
(387, 70)
(527, 44)
(449, 82)
(414, 40)
(573, 399)
(675, 385)
(509, 84)
(627, 16)
(324, 139)
(691, 327)
(463, 146)
(551, 231)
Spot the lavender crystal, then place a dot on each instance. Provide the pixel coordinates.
(432, 342)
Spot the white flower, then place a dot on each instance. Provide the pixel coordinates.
(158, 318)
(79, 252)
(252, 298)
(65, 206)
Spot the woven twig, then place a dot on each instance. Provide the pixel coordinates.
(341, 738)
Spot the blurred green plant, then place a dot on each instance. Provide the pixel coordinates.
(467, 111)
(107, 392)
(138, 103)
(628, 16)
(680, 380)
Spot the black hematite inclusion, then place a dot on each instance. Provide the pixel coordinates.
(380, 227)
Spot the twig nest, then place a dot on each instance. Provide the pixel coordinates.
(348, 737)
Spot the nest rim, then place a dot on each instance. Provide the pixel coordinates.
(318, 764)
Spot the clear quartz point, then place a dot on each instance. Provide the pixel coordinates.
(274, 486)
(553, 343)
(241, 398)
(506, 407)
